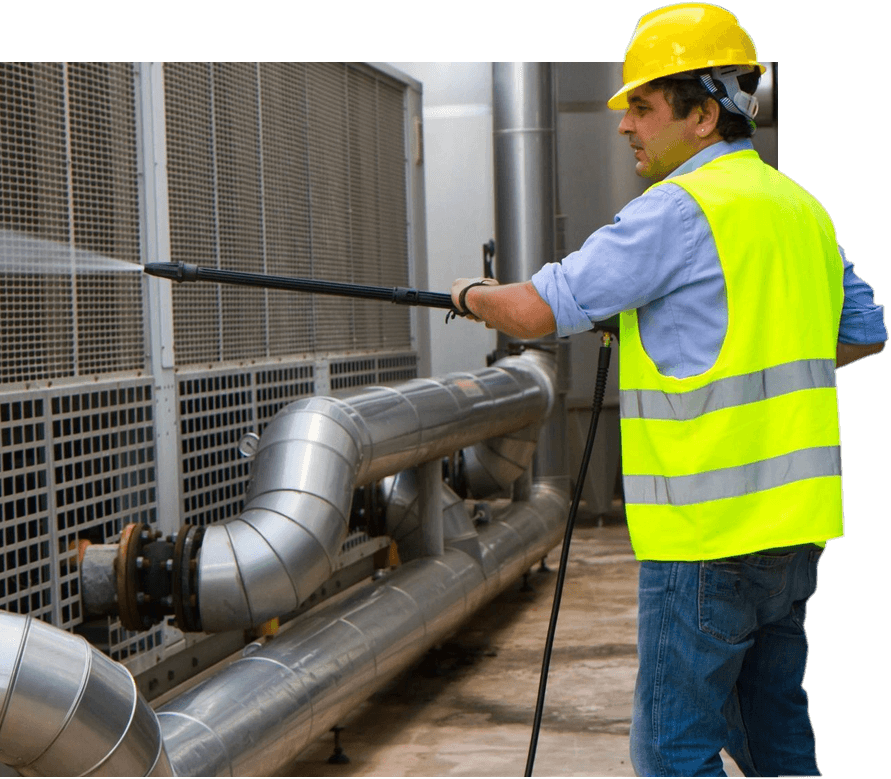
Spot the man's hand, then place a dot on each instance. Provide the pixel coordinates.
(848, 353)
(459, 292)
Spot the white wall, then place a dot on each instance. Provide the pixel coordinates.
(459, 187)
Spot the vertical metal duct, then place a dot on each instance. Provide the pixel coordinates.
(523, 112)
(523, 125)
(68, 710)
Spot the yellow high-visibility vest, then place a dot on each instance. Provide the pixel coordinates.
(744, 456)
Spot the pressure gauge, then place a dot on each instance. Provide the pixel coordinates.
(248, 445)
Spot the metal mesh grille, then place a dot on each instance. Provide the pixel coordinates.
(26, 559)
(77, 464)
(215, 412)
(291, 169)
(104, 469)
(69, 221)
(360, 371)
(276, 387)
(401, 367)
(77, 458)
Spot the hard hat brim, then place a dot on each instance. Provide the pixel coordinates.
(619, 101)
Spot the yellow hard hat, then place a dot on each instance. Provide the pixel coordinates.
(683, 37)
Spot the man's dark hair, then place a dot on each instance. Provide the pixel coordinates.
(685, 94)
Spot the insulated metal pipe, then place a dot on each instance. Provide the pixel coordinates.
(523, 114)
(68, 710)
(315, 452)
(260, 712)
(278, 699)
(524, 139)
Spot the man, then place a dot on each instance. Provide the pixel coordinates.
(736, 305)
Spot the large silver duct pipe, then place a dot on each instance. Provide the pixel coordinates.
(267, 561)
(523, 115)
(523, 124)
(260, 712)
(68, 710)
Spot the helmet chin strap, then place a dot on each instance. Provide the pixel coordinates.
(736, 101)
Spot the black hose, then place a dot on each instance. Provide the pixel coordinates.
(599, 390)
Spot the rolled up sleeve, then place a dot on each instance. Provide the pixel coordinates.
(862, 321)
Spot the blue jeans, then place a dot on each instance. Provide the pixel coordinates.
(722, 653)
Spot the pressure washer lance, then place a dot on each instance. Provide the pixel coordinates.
(599, 389)
(183, 271)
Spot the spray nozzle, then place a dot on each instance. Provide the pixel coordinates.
(175, 271)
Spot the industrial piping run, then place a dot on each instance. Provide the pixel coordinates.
(266, 562)
(260, 711)
(269, 560)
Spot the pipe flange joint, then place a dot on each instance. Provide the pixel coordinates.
(185, 578)
(144, 577)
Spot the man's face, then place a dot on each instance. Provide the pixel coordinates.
(660, 142)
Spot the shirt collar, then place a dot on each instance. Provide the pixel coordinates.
(710, 153)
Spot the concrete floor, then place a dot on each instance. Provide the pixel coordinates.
(467, 709)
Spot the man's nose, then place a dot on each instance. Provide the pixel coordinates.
(625, 125)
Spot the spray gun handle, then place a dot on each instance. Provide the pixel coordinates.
(488, 255)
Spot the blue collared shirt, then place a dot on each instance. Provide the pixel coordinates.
(659, 257)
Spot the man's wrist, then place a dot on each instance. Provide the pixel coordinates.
(462, 297)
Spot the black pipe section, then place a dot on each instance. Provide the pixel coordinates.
(182, 271)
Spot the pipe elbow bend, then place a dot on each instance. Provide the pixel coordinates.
(68, 710)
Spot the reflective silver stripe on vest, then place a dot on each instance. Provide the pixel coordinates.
(729, 392)
(734, 482)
